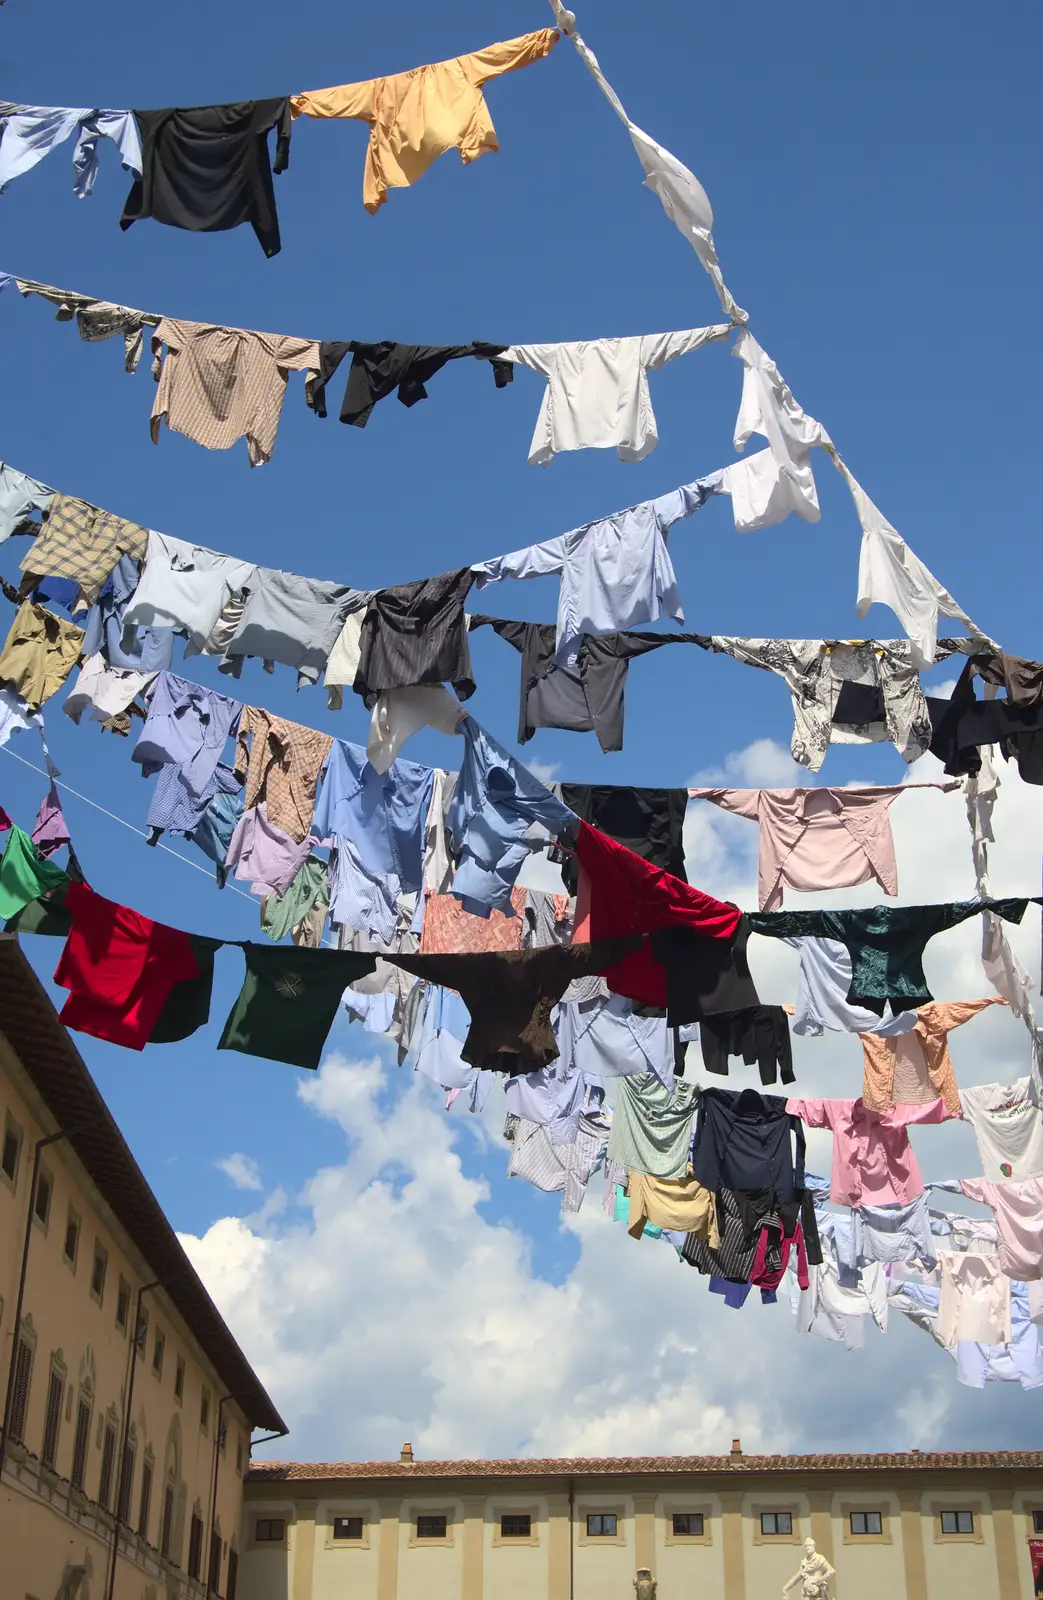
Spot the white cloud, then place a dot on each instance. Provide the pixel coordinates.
(393, 1297)
(243, 1170)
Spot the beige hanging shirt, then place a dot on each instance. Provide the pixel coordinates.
(916, 1067)
(281, 766)
(416, 116)
(217, 385)
(81, 542)
(679, 1204)
(40, 652)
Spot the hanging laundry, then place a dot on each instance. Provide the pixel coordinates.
(1015, 723)
(886, 943)
(177, 806)
(605, 1038)
(438, 868)
(343, 663)
(416, 633)
(708, 978)
(566, 1168)
(301, 911)
(19, 496)
(615, 572)
(890, 574)
(96, 319)
(207, 168)
(966, 1235)
(741, 1218)
(417, 116)
(28, 133)
(50, 830)
(120, 968)
(652, 1126)
(187, 726)
(295, 621)
(443, 1028)
(831, 1310)
(628, 895)
(449, 929)
(917, 1067)
(760, 1034)
(873, 1161)
(813, 839)
(218, 385)
(1008, 1126)
(81, 542)
(510, 995)
(649, 822)
(768, 408)
(761, 495)
(674, 1203)
(280, 762)
(974, 1303)
(819, 671)
(185, 587)
(25, 874)
(262, 854)
(1018, 1209)
(745, 1142)
(377, 370)
(772, 1256)
(130, 649)
(822, 988)
(106, 691)
(382, 818)
(289, 1001)
(214, 831)
(586, 696)
(399, 713)
(889, 1233)
(495, 803)
(39, 653)
(1020, 1361)
(553, 1097)
(597, 395)
(547, 919)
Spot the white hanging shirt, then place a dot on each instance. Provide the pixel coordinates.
(767, 407)
(597, 390)
(1008, 1125)
(974, 1305)
(615, 573)
(185, 586)
(822, 989)
(890, 574)
(399, 713)
(761, 497)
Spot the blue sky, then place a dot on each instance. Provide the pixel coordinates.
(872, 180)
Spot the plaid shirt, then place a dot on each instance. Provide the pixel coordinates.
(81, 542)
(281, 767)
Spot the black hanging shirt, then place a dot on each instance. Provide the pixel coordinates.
(378, 369)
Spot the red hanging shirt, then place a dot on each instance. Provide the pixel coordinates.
(120, 968)
(628, 895)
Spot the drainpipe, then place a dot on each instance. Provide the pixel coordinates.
(266, 1438)
(41, 1144)
(137, 1339)
(213, 1492)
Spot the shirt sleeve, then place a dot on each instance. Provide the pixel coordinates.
(298, 355)
(508, 56)
(349, 100)
(902, 1116)
(743, 802)
(942, 1016)
(974, 1189)
(800, 924)
(536, 561)
(540, 357)
(242, 743)
(659, 348)
(813, 1113)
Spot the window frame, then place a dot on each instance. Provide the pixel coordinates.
(268, 1540)
(1037, 1521)
(148, 1470)
(865, 1532)
(166, 1520)
(12, 1131)
(957, 1512)
(687, 1533)
(52, 1419)
(601, 1517)
(515, 1541)
(159, 1348)
(194, 1564)
(204, 1410)
(779, 1509)
(25, 1360)
(347, 1538)
(73, 1225)
(101, 1256)
(179, 1380)
(431, 1537)
(44, 1185)
(81, 1443)
(688, 1508)
(123, 1298)
(107, 1465)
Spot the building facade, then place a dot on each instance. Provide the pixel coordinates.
(123, 1459)
(905, 1527)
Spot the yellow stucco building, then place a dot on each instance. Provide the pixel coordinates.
(895, 1527)
(122, 1460)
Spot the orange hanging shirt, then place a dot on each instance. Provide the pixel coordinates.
(415, 116)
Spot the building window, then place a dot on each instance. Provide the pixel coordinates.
(81, 1441)
(23, 1368)
(347, 1528)
(270, 1530)
(52, 1417)
(72, 1238)
(11, 1151)
(777, 1522)
(123, 1304)
(865, 1522)
(157, 1353)
(233, 1573)
(431, 1527)
(179, 1380)
(688, 1524)
(195, 1545)
(213, 1578)
(142, 1332)
(516, 1526)
(166, 1524)
(98, 1271)
(601, 1525)
(126, 1483)
(204, 1410)
(239, 1455)
(108, 1462)
(145, 1503)
(1037, 1522)
(42, 1198)
(957, 1521)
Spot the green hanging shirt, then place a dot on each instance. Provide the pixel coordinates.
(288, 1001)
(44, 915)
(23, 876)
(281, 913)
(187, 1007)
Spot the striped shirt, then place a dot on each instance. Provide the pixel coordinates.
(83, 543)
(218, 385)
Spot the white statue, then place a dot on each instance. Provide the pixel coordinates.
(813, 1577)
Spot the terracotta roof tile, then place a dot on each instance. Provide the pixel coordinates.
(628, 1466)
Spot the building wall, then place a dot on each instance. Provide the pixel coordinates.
(732, 1559)
(78, 1334)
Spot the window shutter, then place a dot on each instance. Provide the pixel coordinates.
(214, 1572)
(20, 1396)
(195, 1546)
(81, 1442)
(233, 1574)
(167, 1523)
(126, 1484)
(108, 1461)
(52, 1418)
